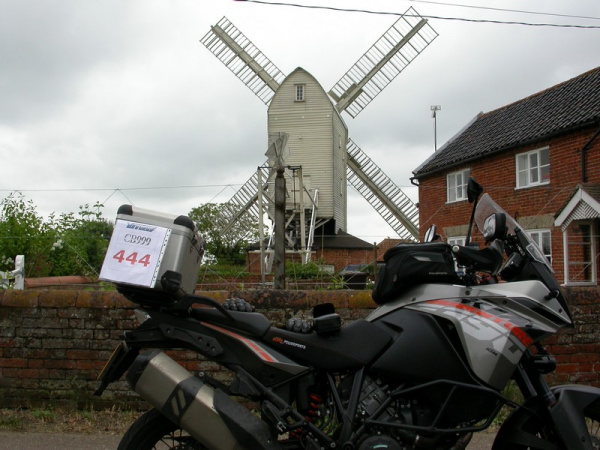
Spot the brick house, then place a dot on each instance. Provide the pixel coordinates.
(539, 158)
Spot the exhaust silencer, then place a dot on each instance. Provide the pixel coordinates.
(209, 415)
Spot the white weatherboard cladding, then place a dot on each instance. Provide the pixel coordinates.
(317, 139)
(340, 141)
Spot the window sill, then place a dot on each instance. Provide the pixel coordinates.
(456, 201)
(580, 284)
(531, 186)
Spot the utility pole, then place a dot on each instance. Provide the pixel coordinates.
(434, 110)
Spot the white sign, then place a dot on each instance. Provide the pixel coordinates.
(134, 253)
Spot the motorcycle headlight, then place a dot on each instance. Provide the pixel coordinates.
(494, 227)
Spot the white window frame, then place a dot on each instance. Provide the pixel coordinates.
(457, 192)
(299, 92)
(457, 240)
(528, 175)
(537, 235)
(592, 262)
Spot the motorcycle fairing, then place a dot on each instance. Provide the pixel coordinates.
(493, 339)
(547, 309)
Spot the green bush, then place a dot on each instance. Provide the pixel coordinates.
(301, 271)
(218, 271)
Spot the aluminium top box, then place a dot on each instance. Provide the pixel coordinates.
(146, 245)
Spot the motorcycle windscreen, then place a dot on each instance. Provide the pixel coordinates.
(493, 339)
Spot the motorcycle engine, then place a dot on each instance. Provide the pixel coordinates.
(405, 411)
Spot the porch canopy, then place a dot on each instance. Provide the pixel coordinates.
(577, 219)
(584, 204)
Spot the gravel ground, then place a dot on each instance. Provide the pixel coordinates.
(35, 441)
(98, 430)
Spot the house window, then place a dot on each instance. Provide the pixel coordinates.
(457, 240)
(543, 241)
(299, 92)
(533, 168)
(457, 185)
(580, 253)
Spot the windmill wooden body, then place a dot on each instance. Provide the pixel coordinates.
(321, 158)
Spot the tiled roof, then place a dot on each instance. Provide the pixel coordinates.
(572, 104)
(341, 240)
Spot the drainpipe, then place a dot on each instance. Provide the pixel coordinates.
(583, 155)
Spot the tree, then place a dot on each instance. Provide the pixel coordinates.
(80, 241)
(226, 247)
(63, 245)
(22, 232)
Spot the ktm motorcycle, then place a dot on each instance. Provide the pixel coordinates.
(428, 368)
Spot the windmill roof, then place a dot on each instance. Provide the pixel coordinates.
(565, 107)
(342, 240)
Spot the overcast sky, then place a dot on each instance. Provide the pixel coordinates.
(118, 101)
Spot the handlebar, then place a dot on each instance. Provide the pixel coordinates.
(488, 259)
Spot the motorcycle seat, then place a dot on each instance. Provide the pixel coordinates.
(254, 324)
(355, 345)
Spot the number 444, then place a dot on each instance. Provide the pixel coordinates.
(132, 258)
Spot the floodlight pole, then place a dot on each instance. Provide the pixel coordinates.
(434, 110)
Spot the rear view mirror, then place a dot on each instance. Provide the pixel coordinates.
(431, 234)
(474, 190)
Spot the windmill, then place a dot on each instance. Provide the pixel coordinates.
(321, 158)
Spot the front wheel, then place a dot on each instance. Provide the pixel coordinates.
(526, 431)
(154, 431)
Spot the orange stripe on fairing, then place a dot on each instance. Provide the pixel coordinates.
(514, 329)
(263, 354)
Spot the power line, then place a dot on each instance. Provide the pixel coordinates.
(458, 19)
(521, 11)
(142, 188)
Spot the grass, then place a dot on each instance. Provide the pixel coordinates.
(62, 420)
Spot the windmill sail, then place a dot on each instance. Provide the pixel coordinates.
(382, 193)
(244, 201)
(242, 57)
(389, 56)
(398, 46)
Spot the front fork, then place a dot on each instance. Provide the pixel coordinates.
(560, 408)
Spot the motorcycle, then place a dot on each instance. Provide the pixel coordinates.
(426, 369)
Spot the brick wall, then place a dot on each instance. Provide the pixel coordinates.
(53, 344)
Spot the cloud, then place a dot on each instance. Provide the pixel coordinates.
(119, 102)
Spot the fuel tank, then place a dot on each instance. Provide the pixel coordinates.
(422, 350)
